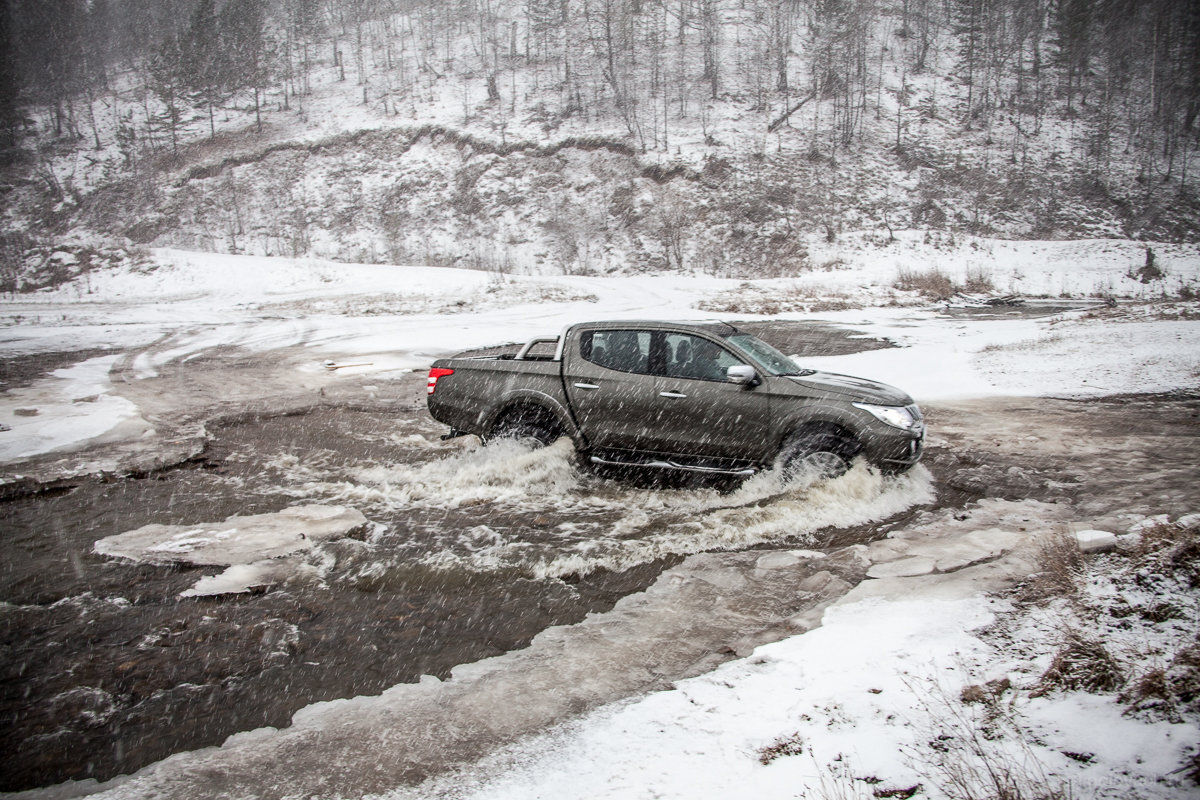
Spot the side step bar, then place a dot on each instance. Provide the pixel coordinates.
(660, 464)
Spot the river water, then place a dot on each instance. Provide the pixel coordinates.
(471, 551)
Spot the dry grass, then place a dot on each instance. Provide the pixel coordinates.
(1027, 345)
(933, 283)
(1062, 570)
(785, 746)
(1170, 550)
(751, 299)
(1081, 663)
(979, 281)
(978, 748)
(1168, 692)
(937, 285)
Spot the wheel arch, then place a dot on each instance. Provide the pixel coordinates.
(821, 427)
(537, 405)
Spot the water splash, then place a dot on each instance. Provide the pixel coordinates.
(513, 507)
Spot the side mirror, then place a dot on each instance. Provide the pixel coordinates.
(743, 375)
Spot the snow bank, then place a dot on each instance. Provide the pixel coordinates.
(889, 694)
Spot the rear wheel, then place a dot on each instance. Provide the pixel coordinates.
(533, 425)
(816, 455)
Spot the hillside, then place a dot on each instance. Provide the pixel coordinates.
(596, 136)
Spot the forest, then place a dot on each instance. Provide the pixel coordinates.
(1021, 118)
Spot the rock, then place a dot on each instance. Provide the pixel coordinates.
(25, 412)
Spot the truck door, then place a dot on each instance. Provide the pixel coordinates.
(663, 392)
(699, 412)
(609, 382)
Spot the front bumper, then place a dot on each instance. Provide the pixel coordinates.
(902, 452)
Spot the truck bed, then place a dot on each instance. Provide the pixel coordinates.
(464, 400)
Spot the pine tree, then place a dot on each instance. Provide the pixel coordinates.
(166, 80)
(202, 60)
(10, 81)
(244, 49)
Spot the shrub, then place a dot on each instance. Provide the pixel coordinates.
(933, 283)
(937, 285)
(1062, 566)
(1082, 663)
(1171, 550)
(979, 280)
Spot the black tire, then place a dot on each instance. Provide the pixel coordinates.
(527, 425)
(821, 454)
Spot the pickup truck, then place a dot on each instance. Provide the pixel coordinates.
(700, 397)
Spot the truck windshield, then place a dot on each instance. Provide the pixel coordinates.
(768, 358)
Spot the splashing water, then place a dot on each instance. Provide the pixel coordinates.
(510, 506)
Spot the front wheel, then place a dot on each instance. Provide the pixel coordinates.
(816, 456)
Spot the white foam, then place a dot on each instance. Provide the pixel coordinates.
(585, 523)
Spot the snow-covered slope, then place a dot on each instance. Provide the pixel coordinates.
(614, 137)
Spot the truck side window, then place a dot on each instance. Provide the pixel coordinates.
(697, 358)
(622, 350)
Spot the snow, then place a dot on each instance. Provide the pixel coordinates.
(394, 318)
(847, 692)
(855, 706)
(1095, 541)
(858, 697)
(75, 404)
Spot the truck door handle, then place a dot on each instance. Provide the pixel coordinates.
(586, 386)
(671, 394)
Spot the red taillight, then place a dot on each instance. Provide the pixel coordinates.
(434, 374)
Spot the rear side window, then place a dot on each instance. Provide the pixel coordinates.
(672, 355)
(622, 350)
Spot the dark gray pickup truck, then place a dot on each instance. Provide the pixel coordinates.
(703, 397)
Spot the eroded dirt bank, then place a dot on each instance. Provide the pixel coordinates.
(107, 669)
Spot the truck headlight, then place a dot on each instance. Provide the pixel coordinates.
(896, 416)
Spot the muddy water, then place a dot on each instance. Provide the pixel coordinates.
(471, 552)
(106, 669)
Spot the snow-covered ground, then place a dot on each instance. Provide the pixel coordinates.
(868, 703)
(391, 318)
(846, 710)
